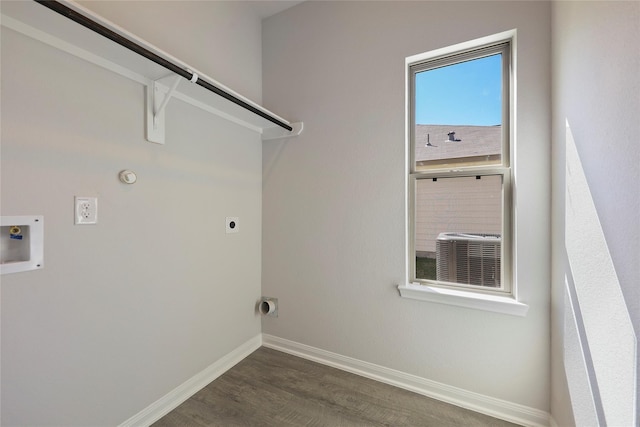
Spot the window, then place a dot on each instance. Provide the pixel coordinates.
(459, 172)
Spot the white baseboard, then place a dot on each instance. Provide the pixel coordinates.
(171, 400)
(497, 408)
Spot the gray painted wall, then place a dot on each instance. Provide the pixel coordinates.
(126, 310)
(334, 203)
(596, 63)
(220, 38)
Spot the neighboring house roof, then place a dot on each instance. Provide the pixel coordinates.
(470, 141)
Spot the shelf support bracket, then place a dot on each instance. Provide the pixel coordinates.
(157, 101)
(159, 109)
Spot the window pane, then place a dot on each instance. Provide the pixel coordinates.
(458, 114)
(458, 226)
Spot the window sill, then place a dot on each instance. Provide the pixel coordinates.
(495, 303)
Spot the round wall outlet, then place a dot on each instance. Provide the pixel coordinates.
(232, 224)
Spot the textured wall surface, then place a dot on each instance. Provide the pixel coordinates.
(596, 105)
(334, 203)
(128, 309)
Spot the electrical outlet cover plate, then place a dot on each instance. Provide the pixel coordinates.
(86, 210)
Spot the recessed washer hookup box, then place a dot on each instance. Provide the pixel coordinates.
(21, 243)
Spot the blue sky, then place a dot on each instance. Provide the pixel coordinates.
(468, 93)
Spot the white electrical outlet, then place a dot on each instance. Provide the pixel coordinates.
(86, 210)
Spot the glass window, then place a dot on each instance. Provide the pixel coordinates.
(459, 174)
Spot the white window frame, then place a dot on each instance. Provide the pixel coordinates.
(503, 300)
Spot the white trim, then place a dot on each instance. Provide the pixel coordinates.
(175, 397)
(471, 44)
(498, 408)
(467, 299)
(505, 44)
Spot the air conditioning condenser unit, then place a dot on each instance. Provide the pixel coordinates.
(468, 258)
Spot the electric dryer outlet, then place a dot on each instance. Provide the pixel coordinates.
(232, 224)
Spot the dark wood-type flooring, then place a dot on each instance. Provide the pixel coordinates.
(271, 388)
